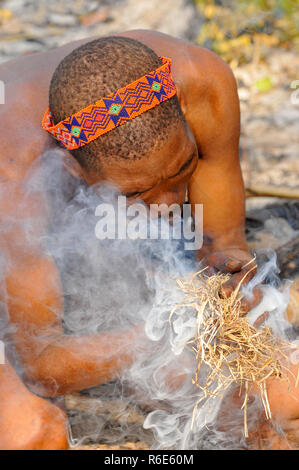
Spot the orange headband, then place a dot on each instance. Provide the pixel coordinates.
(114, 110)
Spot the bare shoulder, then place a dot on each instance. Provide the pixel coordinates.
(208, 81)
(191, 63)
(211, 98)
(206, 85)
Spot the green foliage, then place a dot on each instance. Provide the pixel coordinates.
(245, 30)
(264, 84)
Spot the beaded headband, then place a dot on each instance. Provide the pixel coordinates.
(114, 110)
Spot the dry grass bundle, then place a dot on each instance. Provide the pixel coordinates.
(234, 351)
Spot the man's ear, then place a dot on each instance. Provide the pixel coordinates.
(71, 165)
(181, 99)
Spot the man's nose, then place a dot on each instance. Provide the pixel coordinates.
(175, 196)
(169, 198)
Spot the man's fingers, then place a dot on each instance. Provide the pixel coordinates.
(241, 270)
(261, 319)
(210, 271)
(244, 275)
(233, 265)
(224, 263)
(247, 303)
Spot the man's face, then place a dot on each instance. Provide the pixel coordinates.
(162, 176)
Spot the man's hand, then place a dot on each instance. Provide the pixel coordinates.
(279, 433)
(240, 264)
(282, 432)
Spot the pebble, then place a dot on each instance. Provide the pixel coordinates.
(244, 94)
(62, 19)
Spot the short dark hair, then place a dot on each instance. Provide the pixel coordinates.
(96, 69)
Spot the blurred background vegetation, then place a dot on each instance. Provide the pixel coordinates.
(241, 31)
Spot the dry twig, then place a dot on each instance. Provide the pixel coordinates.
(234, 351)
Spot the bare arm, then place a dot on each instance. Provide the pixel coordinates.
(59, 363)
(54, 362)
(212, 110)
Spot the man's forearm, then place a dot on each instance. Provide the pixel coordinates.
(221, 191)
(56, 363)
(73, 363)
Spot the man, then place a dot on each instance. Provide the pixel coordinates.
(188, 141)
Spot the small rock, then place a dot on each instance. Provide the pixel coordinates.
(62, 20)
(94, 17)
(244, 94)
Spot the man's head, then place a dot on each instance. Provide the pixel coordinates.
(139, 154)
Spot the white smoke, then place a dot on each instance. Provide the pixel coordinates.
(115, 284)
